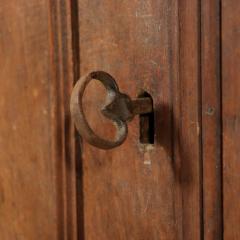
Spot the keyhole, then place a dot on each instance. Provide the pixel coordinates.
(146, 125)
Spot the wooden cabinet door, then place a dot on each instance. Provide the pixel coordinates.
(182, 186)
(143, 191)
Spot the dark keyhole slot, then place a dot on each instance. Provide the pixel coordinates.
(146, 124)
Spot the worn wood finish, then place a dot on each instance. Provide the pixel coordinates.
(37, 177)
(211, 119)
(231, 117)
(185, 54)
(188, 119)
(127, 193)
(142, 191)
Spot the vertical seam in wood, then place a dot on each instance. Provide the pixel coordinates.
(200, 120)
(62, 128)
(179, 106)
(221, 116)
(214, 8)
(56, 128)
(77, 138)
(75, 39)
(196, 70)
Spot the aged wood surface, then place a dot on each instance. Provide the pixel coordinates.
(188, 119)
(170, 190)
(211, 119)
(231, 117)
(37, 177)
(142, 191)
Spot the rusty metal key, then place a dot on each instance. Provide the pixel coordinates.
(118, 107)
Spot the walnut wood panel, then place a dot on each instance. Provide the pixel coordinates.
(37, 177)
(144, 191)
(211, 119)
(231, 117)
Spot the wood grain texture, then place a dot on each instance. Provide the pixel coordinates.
(231, 117)
(188, 118)
(211, 119)
(37, 177)
(142, 191)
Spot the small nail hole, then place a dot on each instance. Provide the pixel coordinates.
(146, 124)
